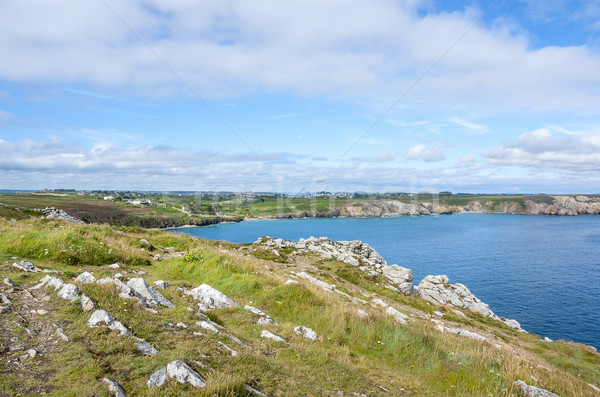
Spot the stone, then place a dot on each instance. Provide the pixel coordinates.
(114, 266)
(379, 302)
(158, 378)
(227, 348)
(127, 292)
(145, 242)
(438, 313)
(114, 387)
(8, 282)
(103, 318)
(269, 335)
(26, 266)
(61, 334)
(4, 309)
(400, 317)
(254, 392)
(85, 278)
(401, 277)
(69, 292)
(263, 318)
(290, 282)
(145, 348)
(532, 391)
(50, 281)
(209, 325)
(87, 304)
(316, 281)
(32, 353)
(361, 313)
(161, 284)
(210, 298)
(183, 373)
(5, 299)
(306, 332)
(152, 296)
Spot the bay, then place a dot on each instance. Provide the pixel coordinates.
(543, 271)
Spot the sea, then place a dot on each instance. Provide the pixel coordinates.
(543, 271)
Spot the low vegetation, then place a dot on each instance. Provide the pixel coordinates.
(370, 356)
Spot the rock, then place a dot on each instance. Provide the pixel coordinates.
(227, 348)
(269, 335)
(158, 378)
(436, 289)
(162, 284)
(55, 213)
(210, 298)
(50, 281)
(114, 266)
(438, 313)
(61, 334)
(32, 353)
(254, 392)
(182, 373)
(4, 309)
(209, 325)
(290, 282)
(69, 292)
(512, 323)
(114, 387)
(263, 318)
(145, 242)
(466, 333)
(87, 304)
(400, 318)
(379, 302)
(152, 296)
(532, 391)
(8, 282)
(145, 348)
(316, 281)
(5, 299)
(401, 277)
(361, 313)
(546, 339)
(306, 332)
(26, 267)
(103, 318)
(126, 292)
(85, 278)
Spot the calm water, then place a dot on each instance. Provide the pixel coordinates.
(543, 271)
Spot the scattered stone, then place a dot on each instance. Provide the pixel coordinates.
(401, 277)
(439, 314)
(400, 318)
(50, 281)
(361, 313)
(306, 332)
(316, 281)
(26, 266)
(32, 353)
(61, 334)
(55, 213)
(546, 339)
(209, 325)
(227, 348)
(459, 313)
(5, 299)
(69, 292)
(85, 278)
(41, 311)
(152, 296)
(263, 319)
(118, 275)
(269, 335)
(126, 291)
(114, 387)
(114, 266)
(594, 387)
(162, 284)
(4, 309)
(181, 325)
(87, 304)
(179, 371)
(103, 318)
(254, 392)
(145, 242)
(290, 282)
(8, 282)
(532, 391)
(145, 348)
(210, 298)
(379, 302)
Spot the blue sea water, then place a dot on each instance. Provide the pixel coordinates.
(543, 271)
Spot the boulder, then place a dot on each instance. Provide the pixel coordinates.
(269, 335)
(69, 292)
(9, 283)
(87, 304)
(26, 267)
(400, 318)
(263, 318)
(161, 284)
(179, 371)
(85, 278)
(102, 318)
(114, 387)
(152, 296)
(210, 298)
(50, 281)
(145, 348)
(306, 332)
(158, 378)
(531, 391)
(401, 277)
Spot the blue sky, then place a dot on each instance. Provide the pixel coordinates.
(298, 95)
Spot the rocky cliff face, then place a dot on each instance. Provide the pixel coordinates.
(563, 205)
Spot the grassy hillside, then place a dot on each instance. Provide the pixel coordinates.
(372, 356)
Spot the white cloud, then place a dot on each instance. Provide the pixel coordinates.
(420, 152)
(470, 127)
(348, 49)
(465, 161)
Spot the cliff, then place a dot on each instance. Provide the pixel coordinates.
(99, 310)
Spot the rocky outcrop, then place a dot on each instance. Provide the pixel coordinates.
(563, 205)
(438, 290)
(179, 371)
(210, 298)
(152, 296)
(55, 213)
(531, 391)
(378, 208)
(26, 267)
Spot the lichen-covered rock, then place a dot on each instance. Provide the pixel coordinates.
(87, 304)
(179, 371)
(532, 391)
(26, 266)
(145, 348)
(269, 335)
(69, 292)
(50, 281)
(210, 298)
(263, 318)
(401, 277)
(306, 332)
(85, 278)
(400, 317)
(114, 387)
(161, 284)
(102, 318)
(158, 378)
(152, 296)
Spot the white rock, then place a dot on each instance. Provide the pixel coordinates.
(85, 278)
(161, 284)
(69, 292)
(145, 348)
(87, 304)
(269, 335)
(210, 298)
(114, 266)
(114, 387)
(183, 373)
(401, 277)
(361, 313)
(102, 318)
(26, 266)
(438, 313)
(546, 339)
(209, 325)
(322, 284)
(50, 281)
(152, 296)
(8, 282)
(227, 348)
(290, 282)
(400, 317)
(379, 302)
(158, 378)
(254, 392)
(127, 292)
(61, 334)
(306, 332)
(532, 391)
(264, 318)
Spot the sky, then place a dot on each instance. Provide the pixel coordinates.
(301, 96)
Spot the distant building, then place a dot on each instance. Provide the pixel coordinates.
(140, 202)
(109, 198)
